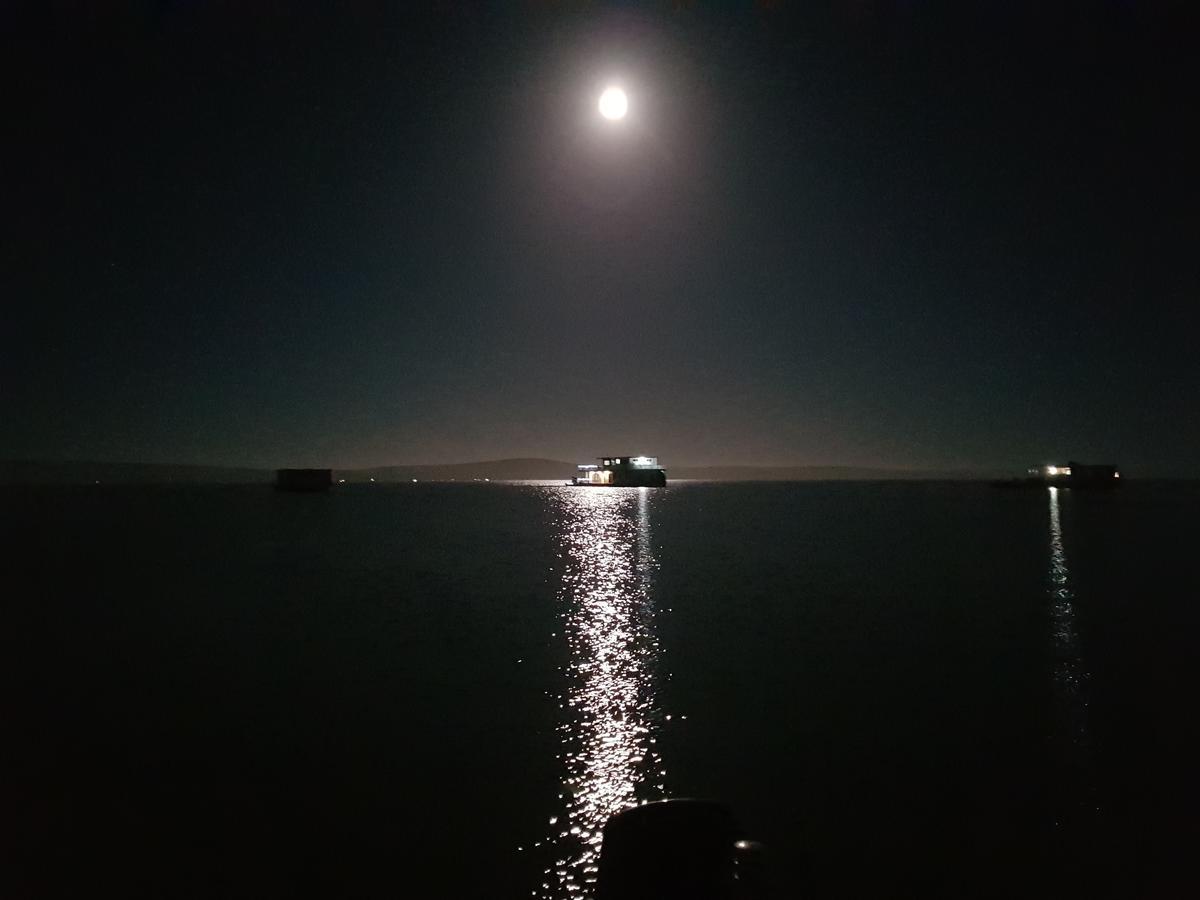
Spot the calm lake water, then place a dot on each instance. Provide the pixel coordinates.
(443, 690)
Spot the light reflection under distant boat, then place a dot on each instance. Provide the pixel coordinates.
(610, 717)
(1070, 680)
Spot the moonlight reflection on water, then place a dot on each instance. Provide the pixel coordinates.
(1077, 798)
(610, 719)
(1069, 672)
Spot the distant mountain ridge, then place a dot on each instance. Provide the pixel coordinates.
(822, 473)
(533, 469)
(89, 472)
(519, 469)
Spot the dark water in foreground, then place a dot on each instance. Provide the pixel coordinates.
(442, 690)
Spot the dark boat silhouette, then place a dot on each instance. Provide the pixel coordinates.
(303, 480)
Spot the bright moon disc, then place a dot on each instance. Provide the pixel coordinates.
(613, 103)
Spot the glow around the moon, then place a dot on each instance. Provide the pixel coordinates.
(613, 103)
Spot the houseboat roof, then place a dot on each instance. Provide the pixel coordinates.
(629, 460)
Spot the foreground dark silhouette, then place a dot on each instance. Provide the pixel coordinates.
(678, 848)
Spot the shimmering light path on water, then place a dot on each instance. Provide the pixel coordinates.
(1070, 675)
(1076, 802)
(609, 717)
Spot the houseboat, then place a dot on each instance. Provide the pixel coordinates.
(1076, 474)
(621, 471)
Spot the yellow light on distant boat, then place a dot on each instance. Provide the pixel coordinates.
(1051, 470)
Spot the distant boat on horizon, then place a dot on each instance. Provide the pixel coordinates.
(304, 480)
(1073, 475)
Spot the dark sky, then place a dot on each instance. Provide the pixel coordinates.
(892, 233)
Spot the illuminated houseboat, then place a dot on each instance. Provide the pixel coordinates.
(1075, 474)
(1072, 475)
(622, 471)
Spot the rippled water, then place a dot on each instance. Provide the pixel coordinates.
(608, 735)
(901, 689)
(1070, 667)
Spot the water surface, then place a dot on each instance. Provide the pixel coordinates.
(901, 688)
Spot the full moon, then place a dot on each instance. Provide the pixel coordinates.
(613, 103)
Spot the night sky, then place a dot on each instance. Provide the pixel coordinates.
(894, 233)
